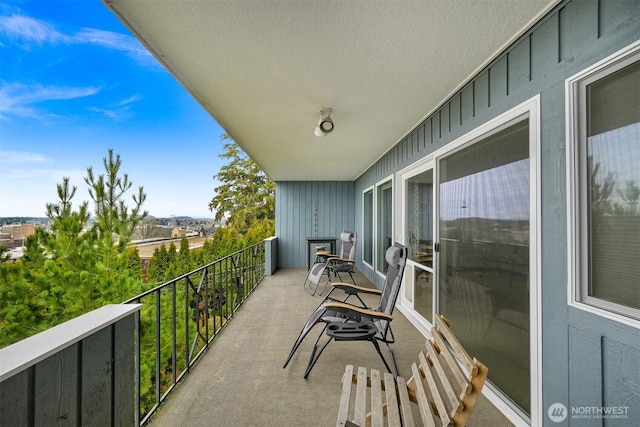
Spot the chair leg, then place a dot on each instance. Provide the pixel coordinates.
(352, 279)
(299, 340)
(324, 287)
(311, 322)
(350, 273)
(315, 354)
(393, 370)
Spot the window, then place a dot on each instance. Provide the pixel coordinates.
(419, 200)
(605, 181)
(419, 232)
(384, 220)
(367, 227)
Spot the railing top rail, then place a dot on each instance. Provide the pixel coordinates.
(197, 270)
(26, 353)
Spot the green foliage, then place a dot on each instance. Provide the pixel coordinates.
(107, 192)
(245, 194)
(71, 269)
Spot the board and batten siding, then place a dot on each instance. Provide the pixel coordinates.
(311, 209)
(81, 372)
(587, 360)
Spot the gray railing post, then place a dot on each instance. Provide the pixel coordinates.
(270, 254)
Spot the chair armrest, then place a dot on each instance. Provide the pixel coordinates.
(344, 307)
(327, 254)
(337, 258)
(350, 288)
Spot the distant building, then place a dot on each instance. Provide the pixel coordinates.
(180, 233)
(19, 231)
(15, 235)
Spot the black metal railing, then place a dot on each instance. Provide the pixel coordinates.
(181, 317)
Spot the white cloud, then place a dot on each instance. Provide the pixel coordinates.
(29, 30)
(129, 100)
(116, 41)
(21, 157)
(17, 99)
(119, 110)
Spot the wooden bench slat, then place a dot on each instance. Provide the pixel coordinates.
(463, 382)
(456, 346)
(432, 383)
(422, 400)
(345, 397)
(454, 401)
(360, 414)
(377, 418)
(405, 402)
(393, 412)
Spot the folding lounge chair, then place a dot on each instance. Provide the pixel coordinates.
(341, 316)
(344, 262)
(332, 264)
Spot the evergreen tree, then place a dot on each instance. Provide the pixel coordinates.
(184, 257)
(245, 194)
(158, 265)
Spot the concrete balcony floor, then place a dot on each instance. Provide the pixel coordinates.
(240, 380)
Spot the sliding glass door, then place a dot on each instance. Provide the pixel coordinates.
(483, 267)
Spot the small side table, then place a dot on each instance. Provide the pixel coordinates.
(315, 240)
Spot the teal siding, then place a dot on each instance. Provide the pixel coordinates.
(310, 209)
(585, 360)
(604, 369)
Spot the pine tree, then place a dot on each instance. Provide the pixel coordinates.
(71, 269)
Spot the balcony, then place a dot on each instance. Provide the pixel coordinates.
(239, 379)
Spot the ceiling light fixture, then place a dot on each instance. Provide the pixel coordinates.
(325, 125)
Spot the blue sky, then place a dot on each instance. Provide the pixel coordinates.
(74, 83)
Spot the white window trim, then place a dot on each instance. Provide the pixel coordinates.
(530, 108)
(373, 232)
(574, 275)
(420, 166)
(380, 183)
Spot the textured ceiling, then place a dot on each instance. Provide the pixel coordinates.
(263, 69)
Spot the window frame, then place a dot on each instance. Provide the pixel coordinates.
(423, 165)
(577, 205)
(389, 183)
(366, 191)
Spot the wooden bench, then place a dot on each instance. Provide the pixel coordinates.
(443, 389)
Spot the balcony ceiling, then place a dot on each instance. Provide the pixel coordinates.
(263, 69)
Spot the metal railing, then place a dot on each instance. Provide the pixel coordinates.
(181, 317)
